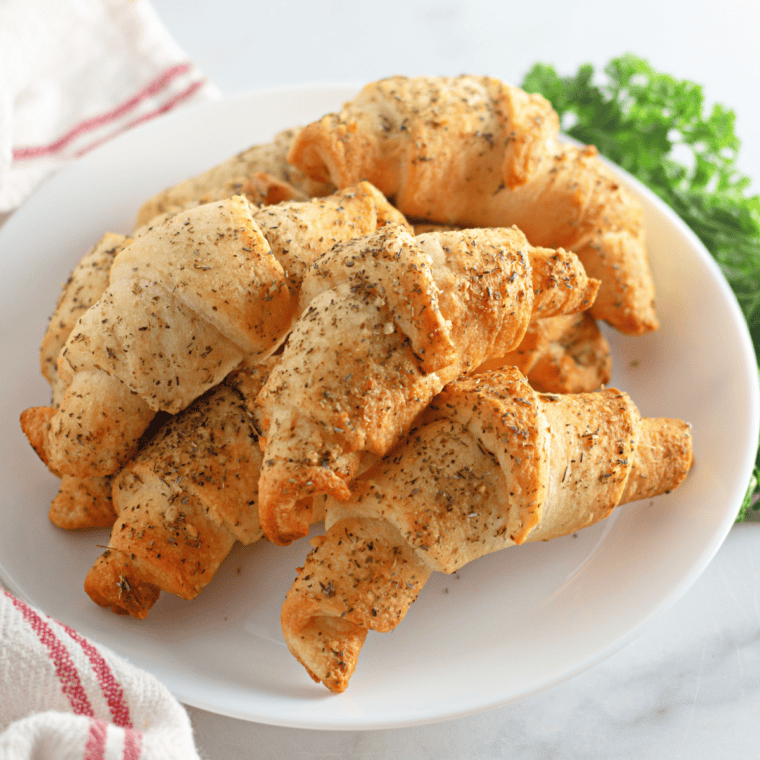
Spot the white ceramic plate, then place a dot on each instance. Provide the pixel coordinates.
(505, 626)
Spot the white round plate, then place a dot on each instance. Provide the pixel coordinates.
(503, 627)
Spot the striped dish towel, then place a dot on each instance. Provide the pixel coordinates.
(77, 73)
(63, 697)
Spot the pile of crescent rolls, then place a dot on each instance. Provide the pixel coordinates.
(384, 322)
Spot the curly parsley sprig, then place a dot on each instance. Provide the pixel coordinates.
(659, 129)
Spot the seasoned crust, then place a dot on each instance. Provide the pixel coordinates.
(260, 172)
(184, 500)
(391, 319)
(561, 354)
(397, 133)
(490, 465)
(473, 152)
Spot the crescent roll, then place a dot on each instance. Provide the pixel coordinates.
(386, 321)
(261, 172)
(187, 301)
(184, 500)
(494, 465)
(564, 354)
(473, 151)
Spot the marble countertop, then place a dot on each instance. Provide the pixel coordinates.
(689, 686)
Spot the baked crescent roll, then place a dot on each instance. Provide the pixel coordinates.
(494, 464)
(280, 242)
(473, 151)
(184, 500)
(80, 502)
(280, 181)
(187, 301)
(386, 321)
(564, 354)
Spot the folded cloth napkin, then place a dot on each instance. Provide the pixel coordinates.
(64, 697)
(74, 74)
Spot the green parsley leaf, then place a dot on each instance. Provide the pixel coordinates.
(658, 128)
(751, 503)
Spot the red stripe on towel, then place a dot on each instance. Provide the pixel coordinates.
(132, 744)
(110, 687)
(87, 125)
(64, 665)
(176, 100)
(95, 749)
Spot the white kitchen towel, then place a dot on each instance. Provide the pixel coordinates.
(62, 697)
(75, 73)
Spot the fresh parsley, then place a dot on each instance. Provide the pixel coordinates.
(660, 130)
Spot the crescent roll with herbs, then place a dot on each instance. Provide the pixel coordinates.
(494, 464)
(473, 151)
(261, 173)
(80, 502)
(565, 354)
(184, 500)
(386, 321)
(188, 301)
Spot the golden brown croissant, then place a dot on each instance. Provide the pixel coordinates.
(187, 302)
(473, 151)
(184, 500)
(387, 320)
(268, 159)
(121, 360)
(564, 354)
(495, 464)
